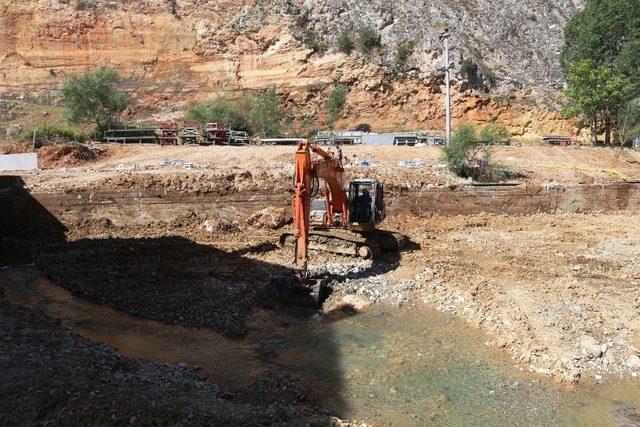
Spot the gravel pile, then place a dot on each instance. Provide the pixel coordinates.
(170, 279)
(365, 279)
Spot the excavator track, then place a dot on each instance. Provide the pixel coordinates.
(367, 245)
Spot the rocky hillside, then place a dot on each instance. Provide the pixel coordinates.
(176, 52)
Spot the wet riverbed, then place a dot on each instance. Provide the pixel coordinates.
(410, 366)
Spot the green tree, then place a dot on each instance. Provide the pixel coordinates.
(494, 131)
(93, 98)
(468, 157)
(601, 61)
(461, 148)
(597, 93)
(266, 115)
(335, 104)
(629, 122)
(345, 42)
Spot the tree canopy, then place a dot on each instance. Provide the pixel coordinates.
(601, 61)
(93, 97)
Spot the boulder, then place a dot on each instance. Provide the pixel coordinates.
(12, 132)
(273, 218)
(590, 347)
(633, 362)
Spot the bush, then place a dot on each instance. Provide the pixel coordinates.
(404, 51)
(364, 127)
(468, 158)
(259, 114)
(457, 152)
(222, 109)
(53, 133)
(345, 42)
(335, 103)
(368, 38)
(93, 98)
(469, 69)
(266, 116)
(494, 132)
(313, 41)
(491, 77)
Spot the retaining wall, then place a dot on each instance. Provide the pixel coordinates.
(143, 206)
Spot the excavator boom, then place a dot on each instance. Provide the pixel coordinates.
(302, 204)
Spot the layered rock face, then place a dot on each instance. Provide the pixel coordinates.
(177, 52)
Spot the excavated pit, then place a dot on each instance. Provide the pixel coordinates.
(178, 276)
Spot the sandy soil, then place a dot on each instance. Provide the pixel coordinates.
(105, 163)
(536, 163)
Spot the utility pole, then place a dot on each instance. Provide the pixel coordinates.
(444, 37)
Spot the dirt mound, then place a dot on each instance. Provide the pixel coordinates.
(14, 149)
(68, 155)
(272, 217)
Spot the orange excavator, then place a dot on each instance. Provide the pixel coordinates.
(344, 221)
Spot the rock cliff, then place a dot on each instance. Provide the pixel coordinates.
(176, 52)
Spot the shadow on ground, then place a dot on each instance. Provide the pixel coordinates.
(175, 281)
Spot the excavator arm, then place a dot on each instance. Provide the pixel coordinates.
(301, 208)
(328, 168)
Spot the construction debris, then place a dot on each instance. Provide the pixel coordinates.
(189, 132)
(216, 134)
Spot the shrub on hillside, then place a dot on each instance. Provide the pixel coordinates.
(335, 103)
(403, 53)
(259, 114)
(313, 41)
(345, 42)
(266, 116)
(223, 109)
(54, 134)
(368, 38)
(364, 127)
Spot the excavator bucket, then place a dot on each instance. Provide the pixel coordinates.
(298, 291)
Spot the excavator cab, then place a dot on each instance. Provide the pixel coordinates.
(366, 204)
